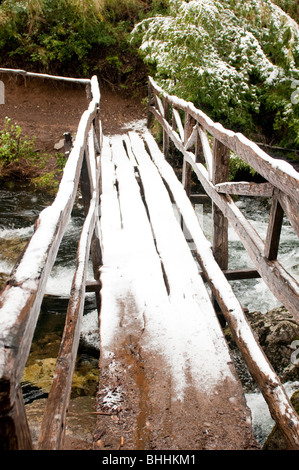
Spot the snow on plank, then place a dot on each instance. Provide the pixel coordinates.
(162, 350)
(258, 365)
(193, 318)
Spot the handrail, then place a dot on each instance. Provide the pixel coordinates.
(214, 269)
(283, 178)
(84, 81)
(21, 297)
(280, 173)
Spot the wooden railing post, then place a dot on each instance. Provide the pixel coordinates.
(187, 169)
(220, 174)
(274, 228)
(150, 103)
(165, 134)
(14, 429)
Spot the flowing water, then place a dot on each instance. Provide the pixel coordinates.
(19, 210)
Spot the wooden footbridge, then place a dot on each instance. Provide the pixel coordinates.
(163, 356)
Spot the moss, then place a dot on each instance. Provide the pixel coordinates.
(40, 372)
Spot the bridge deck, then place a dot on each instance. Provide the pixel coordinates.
(166, 374)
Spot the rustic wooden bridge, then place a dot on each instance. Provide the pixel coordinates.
(163, 356)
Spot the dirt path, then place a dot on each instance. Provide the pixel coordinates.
(47, 109)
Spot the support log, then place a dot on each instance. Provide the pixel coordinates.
(274, 229)
(220, 173)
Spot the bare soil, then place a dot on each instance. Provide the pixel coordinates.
(47, 109)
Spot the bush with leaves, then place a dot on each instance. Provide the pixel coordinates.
(20, 159)
(57, 35)
(234, 59)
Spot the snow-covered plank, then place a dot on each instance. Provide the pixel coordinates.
(178, 122)
(130, 262)
(257, 363)
(187, 291)
(162, 349)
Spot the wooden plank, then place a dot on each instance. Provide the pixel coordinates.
(244, 188)
(145, 300)
(178, 122)
(257, 363)
(274, 229)
(220, 173)
(184, 283)
(281, 284)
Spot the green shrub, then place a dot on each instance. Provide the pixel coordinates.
(13, 145)
(20, 160)
(235, 59)
(56, 35)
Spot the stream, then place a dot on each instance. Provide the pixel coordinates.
(19, 210)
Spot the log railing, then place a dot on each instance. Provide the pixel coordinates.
(21, 297)
(187, 128)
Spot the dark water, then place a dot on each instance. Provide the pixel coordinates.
(19, 211)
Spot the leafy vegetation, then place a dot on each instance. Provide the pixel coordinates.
(73, 37)
(19, 159)
(236, 60)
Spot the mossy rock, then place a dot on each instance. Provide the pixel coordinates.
(40, 374)
(12, 248)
